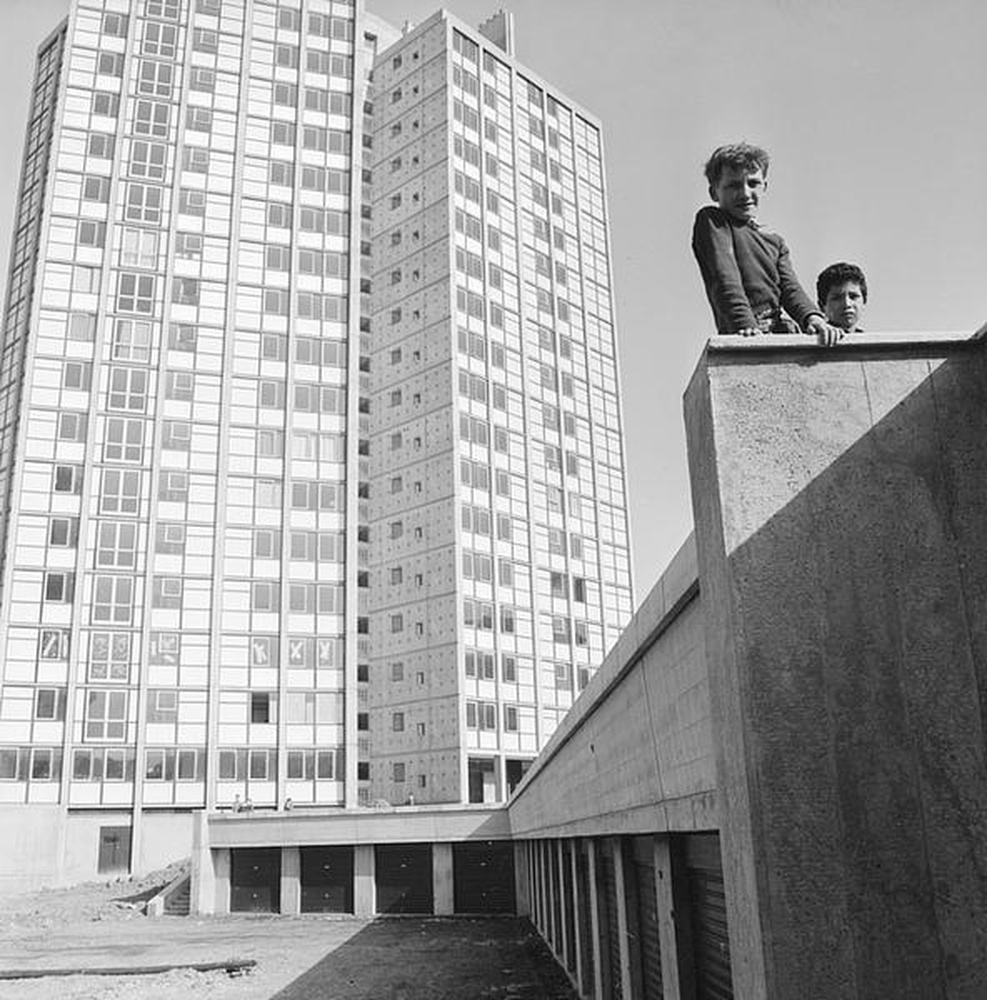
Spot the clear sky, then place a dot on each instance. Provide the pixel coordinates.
(872, 111)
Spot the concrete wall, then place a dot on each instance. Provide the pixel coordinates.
(31, 836)
(635, 753)
(840, 500)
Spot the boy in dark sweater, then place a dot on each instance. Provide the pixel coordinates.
(747, 270)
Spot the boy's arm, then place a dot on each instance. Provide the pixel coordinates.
(794, 301)
(712, 243)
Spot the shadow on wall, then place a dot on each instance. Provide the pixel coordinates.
(861, 627)
(435, 958)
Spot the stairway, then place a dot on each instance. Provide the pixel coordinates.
(176, 901)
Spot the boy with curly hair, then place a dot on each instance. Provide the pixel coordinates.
(841, 291)
(746, 268)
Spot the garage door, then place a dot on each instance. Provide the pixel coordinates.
(404, 878)
(710, 942)
(327, 879)
(255, 880)
(483, 877)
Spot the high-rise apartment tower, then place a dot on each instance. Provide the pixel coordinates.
(310, 454)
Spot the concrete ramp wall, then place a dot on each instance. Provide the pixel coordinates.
(840, 501)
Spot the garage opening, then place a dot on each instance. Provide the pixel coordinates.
(255, 880)
(327, 879)
(404, 878)
(483, 877)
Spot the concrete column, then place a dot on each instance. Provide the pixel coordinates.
(443, 890)
(672, 954)
(202, 876)
(626, 923)
(839, 500)
(565, 945)
(291, 881)
(364, 887)
(578, 904)
(522, 879)
(540, 888)
(551, 893)
(222, 863)
(594, 909)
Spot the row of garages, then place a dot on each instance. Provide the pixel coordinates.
(404, 878)
(633, 918)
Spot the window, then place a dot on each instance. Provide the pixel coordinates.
(143, 204)
(106, 715)
(195, 160)
(120, 493)
(131, 340)
(198, 119)
(85, 279)
(115, 25)
(139, 249)
(265, 596)
(202, 78)
(59, 587)
(124, 440)
(68, 479)
(76, 375)
(152, 118)
(95, 188)
(72, 426)
(116, 544)
(53, 644)
(192, 202)
(397, 722)
(82, 326)
(261, 707)
(113, 599)
(189, 247)
(109, 656)
(204, 40)
(109, 63)
(148, 159)
(128, 389)
(155, 78)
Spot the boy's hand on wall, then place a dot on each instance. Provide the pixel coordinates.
(749, 331)
(827, 335)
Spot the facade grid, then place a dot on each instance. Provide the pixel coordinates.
(310, 443)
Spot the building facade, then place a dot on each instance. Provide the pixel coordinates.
(201, 595)
(499, 553)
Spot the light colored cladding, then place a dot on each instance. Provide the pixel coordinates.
(199, 205)
(407, 159)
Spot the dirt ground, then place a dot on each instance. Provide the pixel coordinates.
(101, 925)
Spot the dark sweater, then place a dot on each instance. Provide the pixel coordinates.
(748, 274)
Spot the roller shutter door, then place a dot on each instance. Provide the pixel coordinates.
(404, 878)
(483, 877)
(610, 945)
(327, 879)
(710, 942)
(255, 880)
(647, 918)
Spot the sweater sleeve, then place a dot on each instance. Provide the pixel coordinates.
(712, 243)
(794, 300)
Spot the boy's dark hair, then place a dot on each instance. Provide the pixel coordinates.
(837, 274)
(738, 155)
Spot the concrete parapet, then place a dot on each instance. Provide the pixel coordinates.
(839, 500)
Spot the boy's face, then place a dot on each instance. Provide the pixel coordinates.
(738, 192)
(844, 305)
